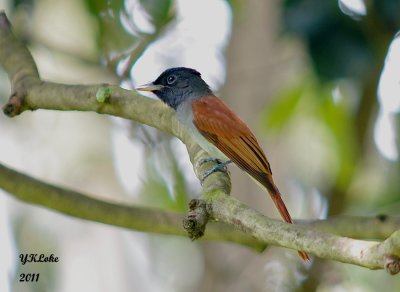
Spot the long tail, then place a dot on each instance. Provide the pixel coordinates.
(280, 205)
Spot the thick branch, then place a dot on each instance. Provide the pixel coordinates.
(369, 254)
(82, 206)
(378, 227)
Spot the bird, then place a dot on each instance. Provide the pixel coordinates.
(216, 128)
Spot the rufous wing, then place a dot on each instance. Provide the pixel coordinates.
(223, 128)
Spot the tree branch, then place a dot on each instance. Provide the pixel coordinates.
(369, 254)
(82, 206)
(254, 225)
(30, 93)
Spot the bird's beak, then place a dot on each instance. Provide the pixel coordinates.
(149, 87)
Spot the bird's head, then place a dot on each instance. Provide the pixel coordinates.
(176, 85)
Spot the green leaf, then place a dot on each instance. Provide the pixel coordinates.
(278, 114)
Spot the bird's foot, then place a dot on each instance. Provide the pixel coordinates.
(221, 166)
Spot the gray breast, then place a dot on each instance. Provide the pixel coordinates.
(185, 117)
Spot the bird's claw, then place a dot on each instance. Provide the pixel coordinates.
(221, 166)
(209, 159)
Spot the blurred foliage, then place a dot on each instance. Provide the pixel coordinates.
(280, 113)
(310, 98)
(160, 11)
(119, 35)
(343, 49)
(17, 3)
(338, 45)
(112, 35)
(165, 186)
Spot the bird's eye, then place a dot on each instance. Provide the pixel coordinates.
(171, 79)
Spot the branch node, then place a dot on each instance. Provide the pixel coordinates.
(196, 220)
(382, 217)
(14, 105)
(103, 94)
(392, 265)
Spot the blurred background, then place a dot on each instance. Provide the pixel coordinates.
(318, 81)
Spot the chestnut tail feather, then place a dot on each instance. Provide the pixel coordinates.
(280, 205)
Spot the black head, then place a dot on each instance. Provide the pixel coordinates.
(176, 85)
